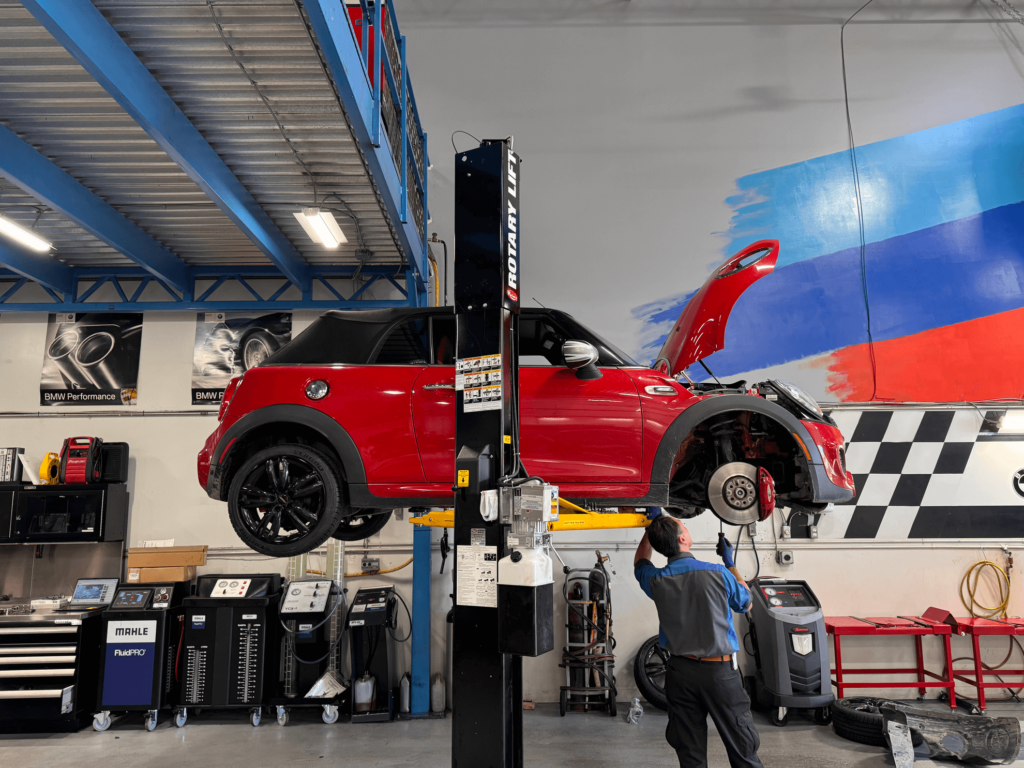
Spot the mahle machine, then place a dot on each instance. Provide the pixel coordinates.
(503, 582)
(139, 662)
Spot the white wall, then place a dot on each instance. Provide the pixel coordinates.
(632, 137)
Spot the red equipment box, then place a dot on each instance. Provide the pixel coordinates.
(80, 460)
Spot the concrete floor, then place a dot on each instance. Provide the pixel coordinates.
(577, 741)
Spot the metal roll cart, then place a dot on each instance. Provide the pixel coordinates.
(588, 656)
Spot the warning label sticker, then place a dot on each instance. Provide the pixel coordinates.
(479, 379)
(477, 576)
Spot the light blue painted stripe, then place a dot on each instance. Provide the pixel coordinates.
(908, 183)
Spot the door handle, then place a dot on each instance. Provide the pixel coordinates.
(438, 386)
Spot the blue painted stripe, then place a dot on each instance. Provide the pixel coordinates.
(908, 183)
(962, 270)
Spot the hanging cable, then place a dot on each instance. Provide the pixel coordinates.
(266, 102)
(860, 204)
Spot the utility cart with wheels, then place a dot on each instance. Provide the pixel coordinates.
(787, 631)
(140, 663)
(229, 645)
(312, 614)
(588, 656)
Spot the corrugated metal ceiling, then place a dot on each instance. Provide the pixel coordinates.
(53, 103)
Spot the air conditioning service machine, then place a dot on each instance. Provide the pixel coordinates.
(503, 582)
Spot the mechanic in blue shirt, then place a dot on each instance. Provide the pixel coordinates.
(695, 602)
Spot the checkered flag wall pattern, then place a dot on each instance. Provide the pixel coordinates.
(928, 475)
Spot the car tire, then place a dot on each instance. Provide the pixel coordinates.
(255, 349)
(361, 524)
(858, 719)
(311, 496)
(649, 670)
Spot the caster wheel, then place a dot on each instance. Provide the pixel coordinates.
(101, 721)
(779, 716)
(331, 713)
(255, 716)
(151, 721)
(823, 715)
(180, 717)
(562, 703)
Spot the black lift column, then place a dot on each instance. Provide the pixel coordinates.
(487, 686)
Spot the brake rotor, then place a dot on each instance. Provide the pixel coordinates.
(733, 493)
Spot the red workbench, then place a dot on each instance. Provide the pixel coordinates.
(978, 628)
(892, 626)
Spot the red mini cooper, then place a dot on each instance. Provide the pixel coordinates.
(356, 417)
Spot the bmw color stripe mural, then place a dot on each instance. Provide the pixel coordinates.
(944, 257)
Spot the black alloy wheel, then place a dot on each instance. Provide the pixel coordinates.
(362, 523)
(285, 500)
(649, 672)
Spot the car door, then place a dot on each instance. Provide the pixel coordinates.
(574, 431)
(433, 404)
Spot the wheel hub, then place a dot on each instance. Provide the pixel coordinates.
(740, 492)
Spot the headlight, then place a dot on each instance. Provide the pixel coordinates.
(799, 395)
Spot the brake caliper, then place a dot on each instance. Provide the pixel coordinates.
(765, 492)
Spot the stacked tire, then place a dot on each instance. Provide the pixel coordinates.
(860, 719)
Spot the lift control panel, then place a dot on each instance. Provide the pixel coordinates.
(306, 596)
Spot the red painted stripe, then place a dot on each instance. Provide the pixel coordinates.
(973, 360)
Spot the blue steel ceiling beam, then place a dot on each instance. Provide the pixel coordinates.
(90, 39)
(41, 267)
(330, 23)
(39, 177)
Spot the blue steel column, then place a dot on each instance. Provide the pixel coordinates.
(421, 572)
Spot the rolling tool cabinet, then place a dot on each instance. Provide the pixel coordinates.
(49, 671)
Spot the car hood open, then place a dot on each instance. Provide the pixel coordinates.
(700, 329)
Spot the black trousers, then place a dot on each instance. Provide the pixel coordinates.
(696, 689)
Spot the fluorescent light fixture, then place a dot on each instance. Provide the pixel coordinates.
(22, 235)
(1013, 421)
(321, 227)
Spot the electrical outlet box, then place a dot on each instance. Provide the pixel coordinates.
(369, 564)
(752, 530)
(784, 557)
(787, 531)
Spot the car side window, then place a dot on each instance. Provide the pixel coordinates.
(408, 343)
(443, 338)
(540, 342)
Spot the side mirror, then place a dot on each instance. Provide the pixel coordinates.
(581, 356)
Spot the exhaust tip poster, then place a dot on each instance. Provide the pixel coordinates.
(91, 359)
(230, 343)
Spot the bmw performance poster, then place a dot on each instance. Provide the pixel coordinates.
(91, 359)
(230, 343)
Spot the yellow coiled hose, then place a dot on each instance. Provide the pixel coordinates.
(969, 589)
(968, 596)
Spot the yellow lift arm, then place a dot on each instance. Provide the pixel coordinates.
(576, 519)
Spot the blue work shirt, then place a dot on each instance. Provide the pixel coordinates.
(695, 602)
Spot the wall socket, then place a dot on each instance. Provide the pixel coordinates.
(784, 557)
(370, 564)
